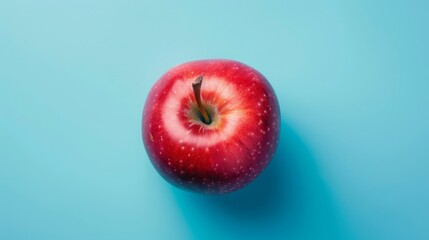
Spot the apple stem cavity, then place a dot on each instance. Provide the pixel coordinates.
(196, 86)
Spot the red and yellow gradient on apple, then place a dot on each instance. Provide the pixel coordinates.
(211, 126)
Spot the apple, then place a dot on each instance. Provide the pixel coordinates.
(211, 126)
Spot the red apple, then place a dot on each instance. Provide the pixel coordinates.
(211, 126)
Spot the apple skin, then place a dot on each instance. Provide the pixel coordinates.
(230, 152)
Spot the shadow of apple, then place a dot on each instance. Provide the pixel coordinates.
(289, 199)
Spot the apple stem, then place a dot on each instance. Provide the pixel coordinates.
(196, 86)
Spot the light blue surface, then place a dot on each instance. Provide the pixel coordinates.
(351, 76)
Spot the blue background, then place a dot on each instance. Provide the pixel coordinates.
(351, 76)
